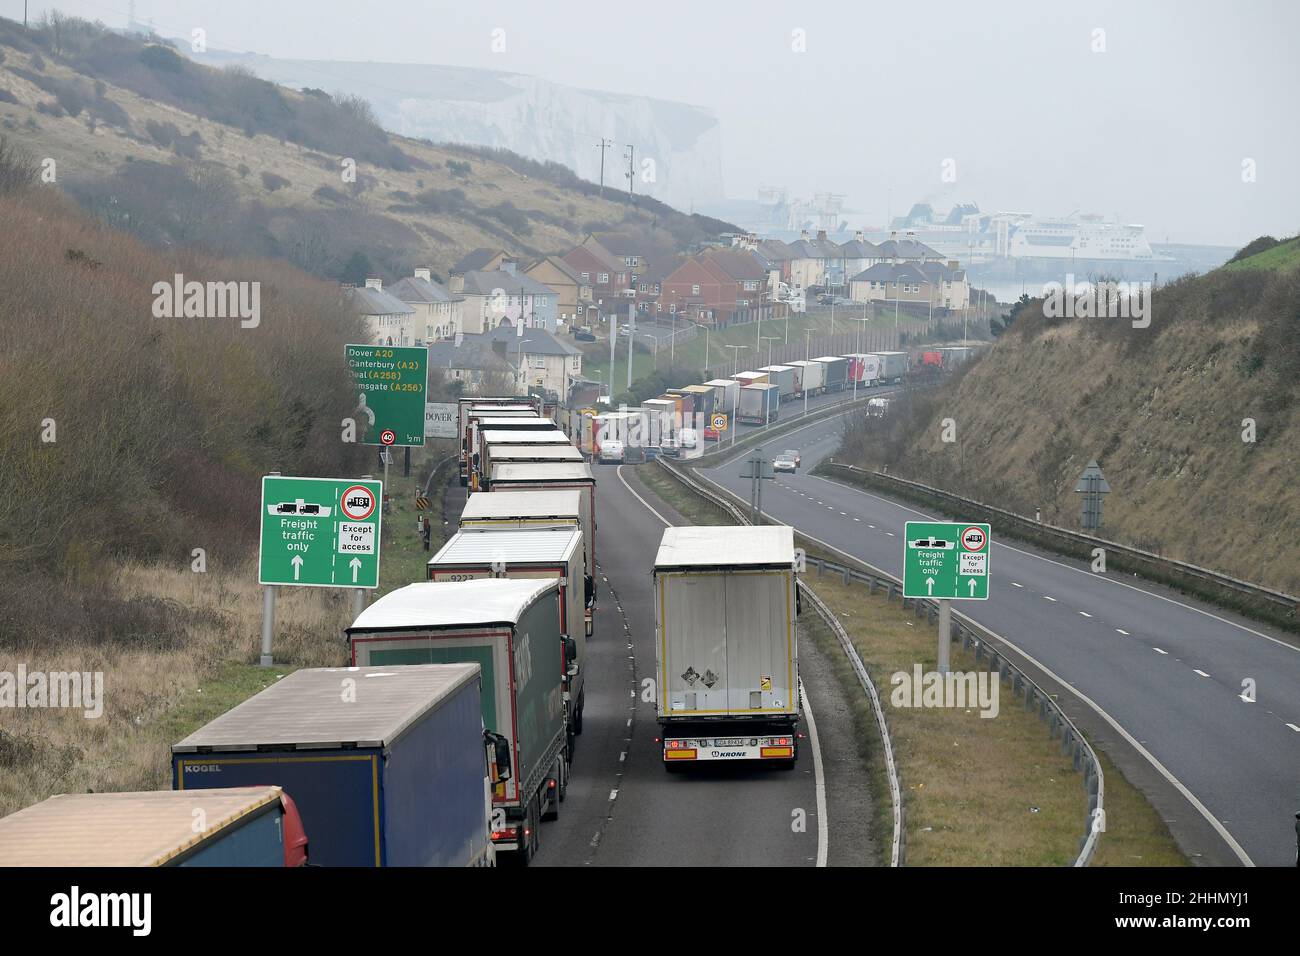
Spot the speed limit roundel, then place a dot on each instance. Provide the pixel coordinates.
(387, 437)
(973, 539)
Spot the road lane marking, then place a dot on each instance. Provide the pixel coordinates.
(822, 823)
(1122, 631)
(1201, 672)
(1049, 598)
(1294, 727)
(1159, 651)
(619, 472)
(1085, 614)
(1096, 577)
(1015, 585)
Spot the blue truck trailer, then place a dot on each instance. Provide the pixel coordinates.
(242, 826)
(387, 766)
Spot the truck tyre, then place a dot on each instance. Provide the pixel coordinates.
(531, 821)
(577, 714)
(553, 811)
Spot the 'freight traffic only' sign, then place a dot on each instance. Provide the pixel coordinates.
(320, 532)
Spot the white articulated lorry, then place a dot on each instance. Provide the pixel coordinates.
(727, 681)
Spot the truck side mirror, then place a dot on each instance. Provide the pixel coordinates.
(589, 585)
(570, 654)
(798, 601)
(498, 750)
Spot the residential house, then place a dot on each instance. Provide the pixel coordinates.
(545, 360)
(482, 259)
(939, 285)
(631, 252)
(437, 311)
(390, 321)
(857, 255)
(718, 286)
(472, 361)
(608, 275)
(503, 297)
(574, 300)
(907, 249)
(816, 262)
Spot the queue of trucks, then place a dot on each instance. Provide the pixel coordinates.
(449, 738)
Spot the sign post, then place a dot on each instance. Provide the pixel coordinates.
(393, 383)
(756, 469)
(946, 561)
(316, 532)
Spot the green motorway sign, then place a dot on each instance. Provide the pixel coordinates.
(320, 532)
(943, 559)
(392, 382)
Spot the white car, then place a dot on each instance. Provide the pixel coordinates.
(785, 462)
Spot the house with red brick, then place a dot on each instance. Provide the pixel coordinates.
(718, 287)
(596, 266)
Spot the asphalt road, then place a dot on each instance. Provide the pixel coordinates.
(1167, 670)
(623, 808)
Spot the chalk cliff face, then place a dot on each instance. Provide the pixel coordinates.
(678, 147)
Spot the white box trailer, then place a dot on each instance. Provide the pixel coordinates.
(549, 553)
(783, 377)
(893, 365)
(511, 629)
(518, 453)
(864, 369)
(726, 608)
(513, 406)
(534, 509)
(558, 476)
(489, 437)
(812, 377)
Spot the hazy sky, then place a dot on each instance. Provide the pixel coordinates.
(1154, 129)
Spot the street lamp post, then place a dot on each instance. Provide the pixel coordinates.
(735, 367)
(807, 357)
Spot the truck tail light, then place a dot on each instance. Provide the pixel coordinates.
(509, 833)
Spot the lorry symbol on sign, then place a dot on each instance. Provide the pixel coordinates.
(299, 507)
(932, 543)
(973, 539)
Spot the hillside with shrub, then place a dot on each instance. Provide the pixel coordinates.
(1162, 409)
(125, 436)
(176, 152)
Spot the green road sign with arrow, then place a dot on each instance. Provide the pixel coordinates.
(320, 532)
(393, 382)
(944, 559)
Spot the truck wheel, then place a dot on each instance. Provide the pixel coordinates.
(553, 811)
(785, 764)
(531, 822)
(577, 714)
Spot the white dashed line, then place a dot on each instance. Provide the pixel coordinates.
(613, 795)
(1294, 727)
(1085, 614)
(1159, 651)
(1201, 672)
(1122, 631)
(1047, 598)
(1015, 585)
(890, 533)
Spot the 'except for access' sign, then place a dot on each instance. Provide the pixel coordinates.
(320, 532)
(943, 559)
(393, 382)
